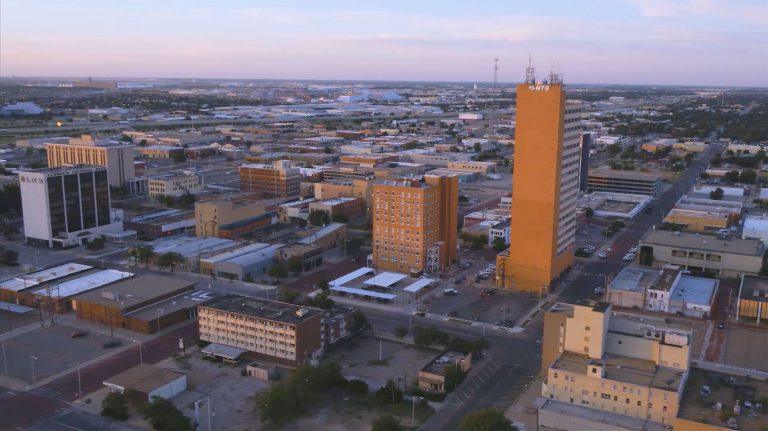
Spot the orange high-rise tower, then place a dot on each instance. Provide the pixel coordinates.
(546, 181)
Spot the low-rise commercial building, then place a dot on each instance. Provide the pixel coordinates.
(124, 304)
(238, 213)
(624, 206)
(157, 224)
(348, 208)
(329, 189)
(191, 249)
(756, 226)
(311, 256)
(251, 262)
(432, 378)
(175, 185)
(633, 182)
(698, 221)
(272, 331)
(473, 166)
(694, 252)
(752, 302)
(149, 381)
(161, 152)
(278, 180)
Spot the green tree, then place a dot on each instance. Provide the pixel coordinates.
(387, 423)
(278, 271)
(163, 415)
(359, 321)
(499, 244)
(95, 244)
(389, 393)
(115, 406)
(589, 212)
(318, 218)
(732, 176)
(401, 331)
(747, 176)
(716, 194)
(169, 260)
(613, 150)
(486, 420)
(323, 285)
(454, 375)
(289, 296)
(143, 253)
(295, 264)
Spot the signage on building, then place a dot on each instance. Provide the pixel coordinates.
(539, 87)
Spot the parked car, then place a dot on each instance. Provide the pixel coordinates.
(112, 343)
(450, 292)
(79, 334)
(720, 325)
(599, 290)
(602, 255)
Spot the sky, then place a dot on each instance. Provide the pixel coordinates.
(676, 42)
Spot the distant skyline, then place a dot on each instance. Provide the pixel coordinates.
(683, 42)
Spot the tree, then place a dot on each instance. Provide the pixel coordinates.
(387, 423)
(747, 176)
(169, 259)
(295, 264)
(318, 218)
(359, 321)
(115, 406)
(732, 176)
(8, 257)
(486, 420)
(454, 375)
(10, 199)
(401, 331)
(163, 415)
(389, 393)
(278, 271)
(95, 244)
(289, 296)
(323, 285)
(499, 244)
(613, 150)
(716, 194)
(143, 253)
(339, 218)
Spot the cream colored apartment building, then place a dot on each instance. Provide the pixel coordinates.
(342, 188)
(175, 185)
(631, 367)
(116, 157)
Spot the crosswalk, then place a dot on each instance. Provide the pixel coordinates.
(46, 392)
(493, 370)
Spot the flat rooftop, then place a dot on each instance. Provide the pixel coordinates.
(692, 241)
(449, 357)
(605, 418)
(227, 255)
(384, 279)
(633, 279)
(694, 290)
(625, 175)
(189, 246)
(623, 369)
(83, 284)
(698, 213)
(186, 300)
(754, 288)
(263, 308)
(136, 291)
(144, 378)
(727, 390)
(32, 279)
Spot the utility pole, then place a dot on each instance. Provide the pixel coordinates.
(495, 71)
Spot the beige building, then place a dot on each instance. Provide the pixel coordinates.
(473, 166)
(362, 189)
(725, 257)
(222, 211)
(278, 180)
(432, 376)
(175, 185)
(116, 157)
(595, 359)
(699, 221)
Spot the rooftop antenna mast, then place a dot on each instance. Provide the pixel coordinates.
(495, 71)
(529, 74)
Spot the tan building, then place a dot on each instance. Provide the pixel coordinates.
(432, 376)
(161, 152)
(350, 208)
(272, 331)
(278, 180)
(612, 363)
(699, 221)
(609, 180)
(370, 160)
(752, 302)
(175, 185)
(116, 157)
(414, 224)
(362, 189)
(725, 257)
(472, 166)
(211, 214)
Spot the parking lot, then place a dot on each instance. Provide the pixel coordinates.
(43, 352)
(359, 358)
(10, 321)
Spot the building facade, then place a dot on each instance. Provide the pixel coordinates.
(546, 185)
(117, 158)
(66, 206)
(414, 224)
(608, 180)
(175, 185)
(278, 180)
(247, 211)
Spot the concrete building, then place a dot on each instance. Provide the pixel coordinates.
(349, 208)
(432, 378)
(175, 185)
(622, 206)
(278, 180)
(148, 380)
(414, 224)
(634, 182)
(272, 331)
(756, 226)
(245, 210)
(594, 359)
(157, 224)
(697, 220)
(124, 304)
(191, 249)
(546, 186)
(752, 302)
(67, 206)
(117, 157)
(250, 262)
(161, 152)
(694, 252)
(361, 189)
(584, 147)
(473, 166)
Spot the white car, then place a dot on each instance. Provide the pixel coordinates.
(602, 255)
(599, 289)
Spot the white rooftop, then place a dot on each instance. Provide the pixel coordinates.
(363, 292)
(189, 246)
(418, 285)
(694, 290)
(344, 279)
(384, 279)
(33, 279)
(83, 284)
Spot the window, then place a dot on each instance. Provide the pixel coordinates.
(639, 403)
(594, 370)
(664, 408)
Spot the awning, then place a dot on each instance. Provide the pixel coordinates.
(226, 352)
(14, 308)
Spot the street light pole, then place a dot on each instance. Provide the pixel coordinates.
(32, 361)
(5, 360)
(79, 383)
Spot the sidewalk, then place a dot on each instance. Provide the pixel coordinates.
(523, 413)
